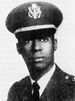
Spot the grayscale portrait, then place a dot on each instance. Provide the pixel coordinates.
(34, 25)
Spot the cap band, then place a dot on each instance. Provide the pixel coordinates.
(34, 28)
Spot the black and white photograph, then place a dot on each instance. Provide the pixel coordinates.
(37, 44)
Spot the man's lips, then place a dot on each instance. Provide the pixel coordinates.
(38, 59)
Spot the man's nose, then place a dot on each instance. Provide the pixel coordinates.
(36, 45)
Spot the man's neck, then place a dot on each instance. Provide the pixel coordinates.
(39, 74)
(43, 81)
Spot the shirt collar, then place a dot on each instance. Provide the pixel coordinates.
(45, 79)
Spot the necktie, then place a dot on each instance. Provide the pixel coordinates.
(35, 91)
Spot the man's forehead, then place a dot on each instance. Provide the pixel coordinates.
(36, 34)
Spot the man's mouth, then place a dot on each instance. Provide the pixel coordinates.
(38, 59)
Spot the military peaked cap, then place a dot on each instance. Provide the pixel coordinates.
(33, 16)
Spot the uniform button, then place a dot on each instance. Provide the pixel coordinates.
(73, 79)
(67, 77)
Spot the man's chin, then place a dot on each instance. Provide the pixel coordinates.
(39, 67)
(36, 72)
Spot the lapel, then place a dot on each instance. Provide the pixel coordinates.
(48, 91)
(53, 89)
(25, 91)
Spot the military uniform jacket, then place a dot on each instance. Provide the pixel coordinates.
(61, 87)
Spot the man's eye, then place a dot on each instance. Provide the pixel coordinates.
(28, 41)
(44, 39)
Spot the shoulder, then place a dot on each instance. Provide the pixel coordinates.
(65, 84)
(17, 87)
(65, 77)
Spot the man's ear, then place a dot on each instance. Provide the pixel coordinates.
(55, 44)
(19, 48)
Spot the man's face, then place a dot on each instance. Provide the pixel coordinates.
(38, 51)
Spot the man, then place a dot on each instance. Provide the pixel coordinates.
(34, 25)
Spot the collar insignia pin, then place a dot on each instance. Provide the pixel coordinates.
(34, 11)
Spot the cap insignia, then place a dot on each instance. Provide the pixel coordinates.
(34, 11)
